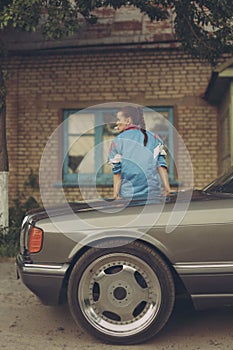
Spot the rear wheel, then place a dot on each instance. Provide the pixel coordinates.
(122, 294)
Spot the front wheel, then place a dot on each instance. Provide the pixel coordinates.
(122, 294)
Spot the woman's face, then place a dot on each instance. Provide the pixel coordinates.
(122, 121)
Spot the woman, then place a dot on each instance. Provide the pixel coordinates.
(137, 157)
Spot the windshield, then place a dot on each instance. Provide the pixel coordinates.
(223, 184)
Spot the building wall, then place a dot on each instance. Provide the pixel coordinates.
(41, 86)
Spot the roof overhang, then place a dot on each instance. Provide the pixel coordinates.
(219, 82)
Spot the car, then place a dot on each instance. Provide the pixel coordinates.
(121, 266)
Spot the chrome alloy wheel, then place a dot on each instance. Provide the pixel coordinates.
(119, 294)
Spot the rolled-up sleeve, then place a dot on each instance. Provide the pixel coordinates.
(160, 154)
(114, 159)
(116, 169)
(162, 161)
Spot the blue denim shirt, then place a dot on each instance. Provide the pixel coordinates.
(138, 164)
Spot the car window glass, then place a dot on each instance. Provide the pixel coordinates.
(224, 187)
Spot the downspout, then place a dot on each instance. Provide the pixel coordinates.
(4, 167)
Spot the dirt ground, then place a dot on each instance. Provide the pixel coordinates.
(26, 324)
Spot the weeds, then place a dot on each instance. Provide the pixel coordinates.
(9, 241)
(9, 237)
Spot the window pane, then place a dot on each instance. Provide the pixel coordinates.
(81, 123)
(78, 149)
(156, 122)
(107, 169)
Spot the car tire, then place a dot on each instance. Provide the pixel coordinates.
(121, 293)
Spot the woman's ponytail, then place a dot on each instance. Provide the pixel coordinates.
(142, 124)
(136, 113)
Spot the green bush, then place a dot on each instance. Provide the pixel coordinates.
(9, 241)
(9, 237)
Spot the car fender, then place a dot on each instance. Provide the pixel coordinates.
(95, 238)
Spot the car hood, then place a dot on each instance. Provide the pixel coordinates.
(37, 214)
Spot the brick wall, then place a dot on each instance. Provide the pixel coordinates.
(39, 87)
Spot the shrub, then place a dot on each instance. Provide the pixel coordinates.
(9, 237)
(9, 241)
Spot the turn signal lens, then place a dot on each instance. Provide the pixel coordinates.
(35, 240)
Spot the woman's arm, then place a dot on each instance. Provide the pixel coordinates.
(116, 185)
(164, 177)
